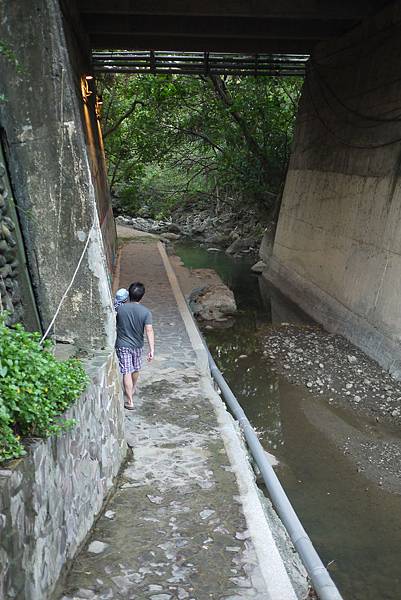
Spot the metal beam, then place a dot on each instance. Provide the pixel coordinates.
(199, 63)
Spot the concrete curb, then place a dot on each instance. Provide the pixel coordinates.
(277, 581)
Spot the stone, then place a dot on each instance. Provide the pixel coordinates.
(213, 249)
(171, 237)
(155, 499)
(174, 228)
(85, 594)
(240, 244)
(96, 547)
(351, 359)
(65, 485)
(259, 267)
(212, 303)
(205, 514)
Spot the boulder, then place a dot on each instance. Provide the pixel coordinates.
(240, 244)
(120, 220)
(173, 228)
(216, 238)
(259, 267)
(170, 237)
(213, 303)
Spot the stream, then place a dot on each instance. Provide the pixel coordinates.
(354, 524)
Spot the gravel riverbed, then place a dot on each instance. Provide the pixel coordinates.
(328, 363)
(331, 369)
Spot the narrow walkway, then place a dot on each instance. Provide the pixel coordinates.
(185, 521)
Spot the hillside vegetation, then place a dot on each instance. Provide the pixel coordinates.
(172, 139)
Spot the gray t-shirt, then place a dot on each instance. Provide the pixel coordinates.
(131, 320)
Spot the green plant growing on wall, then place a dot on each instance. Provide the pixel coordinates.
(9, 54)
(35, 389)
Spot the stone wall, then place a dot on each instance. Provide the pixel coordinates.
(10, 297)
(52, 145)
(49, 499)
(337, 247)
(16, 294)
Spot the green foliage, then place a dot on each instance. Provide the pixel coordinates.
(35, 388)
(169, 137)
(9, 55)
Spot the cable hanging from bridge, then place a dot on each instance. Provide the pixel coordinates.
(378, 119)
(341, 140)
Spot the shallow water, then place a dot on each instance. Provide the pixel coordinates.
(354, 524)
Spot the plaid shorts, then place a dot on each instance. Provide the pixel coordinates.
(129, 359)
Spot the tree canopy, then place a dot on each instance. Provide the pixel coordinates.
(172, 137)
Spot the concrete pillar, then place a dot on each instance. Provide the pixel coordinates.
(54, 158)
(337, 249)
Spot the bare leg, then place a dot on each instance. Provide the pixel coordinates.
(128, 388)
(134, 377)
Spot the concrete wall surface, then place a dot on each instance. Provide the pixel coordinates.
(337, 249)
(54, 158)
(49, 499)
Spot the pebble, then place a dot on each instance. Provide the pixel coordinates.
(155, 499)
(96, 547)
(205, 514)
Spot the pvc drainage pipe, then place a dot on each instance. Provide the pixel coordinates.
(320, 577)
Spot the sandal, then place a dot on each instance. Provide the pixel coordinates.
(129, 406)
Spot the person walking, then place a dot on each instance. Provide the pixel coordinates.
(133, 321)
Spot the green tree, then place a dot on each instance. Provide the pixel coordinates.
(169, 138)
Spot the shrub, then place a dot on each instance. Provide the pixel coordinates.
(35, 388)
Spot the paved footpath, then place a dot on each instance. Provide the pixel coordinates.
(185, 521)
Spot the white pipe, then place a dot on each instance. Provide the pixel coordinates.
(320, 577)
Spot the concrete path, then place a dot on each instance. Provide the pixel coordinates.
(186, 520)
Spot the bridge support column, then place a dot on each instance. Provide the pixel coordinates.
(54, 155)
(337, 249)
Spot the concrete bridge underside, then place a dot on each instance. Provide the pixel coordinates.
(336, 250)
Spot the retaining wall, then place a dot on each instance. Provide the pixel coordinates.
(52, 143)
(337, 249)
(49, 499)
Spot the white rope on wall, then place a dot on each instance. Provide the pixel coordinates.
(68, 287)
